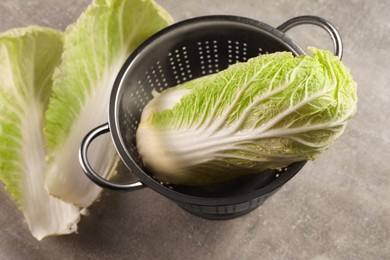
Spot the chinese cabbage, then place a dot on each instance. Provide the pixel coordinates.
(27, 60)
(266, 113)
(95, 47)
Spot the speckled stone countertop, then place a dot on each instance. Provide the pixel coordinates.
(337, 207)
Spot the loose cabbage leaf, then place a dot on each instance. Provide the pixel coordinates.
(27, 60)
(266, 113)
(95, 47)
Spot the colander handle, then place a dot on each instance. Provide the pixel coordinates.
(315, 20)
(90, 172)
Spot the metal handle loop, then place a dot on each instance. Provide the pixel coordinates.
(96, 178)
(315, 20)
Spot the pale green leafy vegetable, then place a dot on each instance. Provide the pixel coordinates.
(27, 60)
(266, 113)
(95, 47)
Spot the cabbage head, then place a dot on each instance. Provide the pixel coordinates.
(266, 113)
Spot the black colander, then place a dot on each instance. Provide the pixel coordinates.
(182, 52)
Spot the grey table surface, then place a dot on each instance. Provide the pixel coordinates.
(337, 207)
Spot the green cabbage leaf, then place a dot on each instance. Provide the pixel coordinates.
(266, 113)
(28, 57)
(95, 47)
